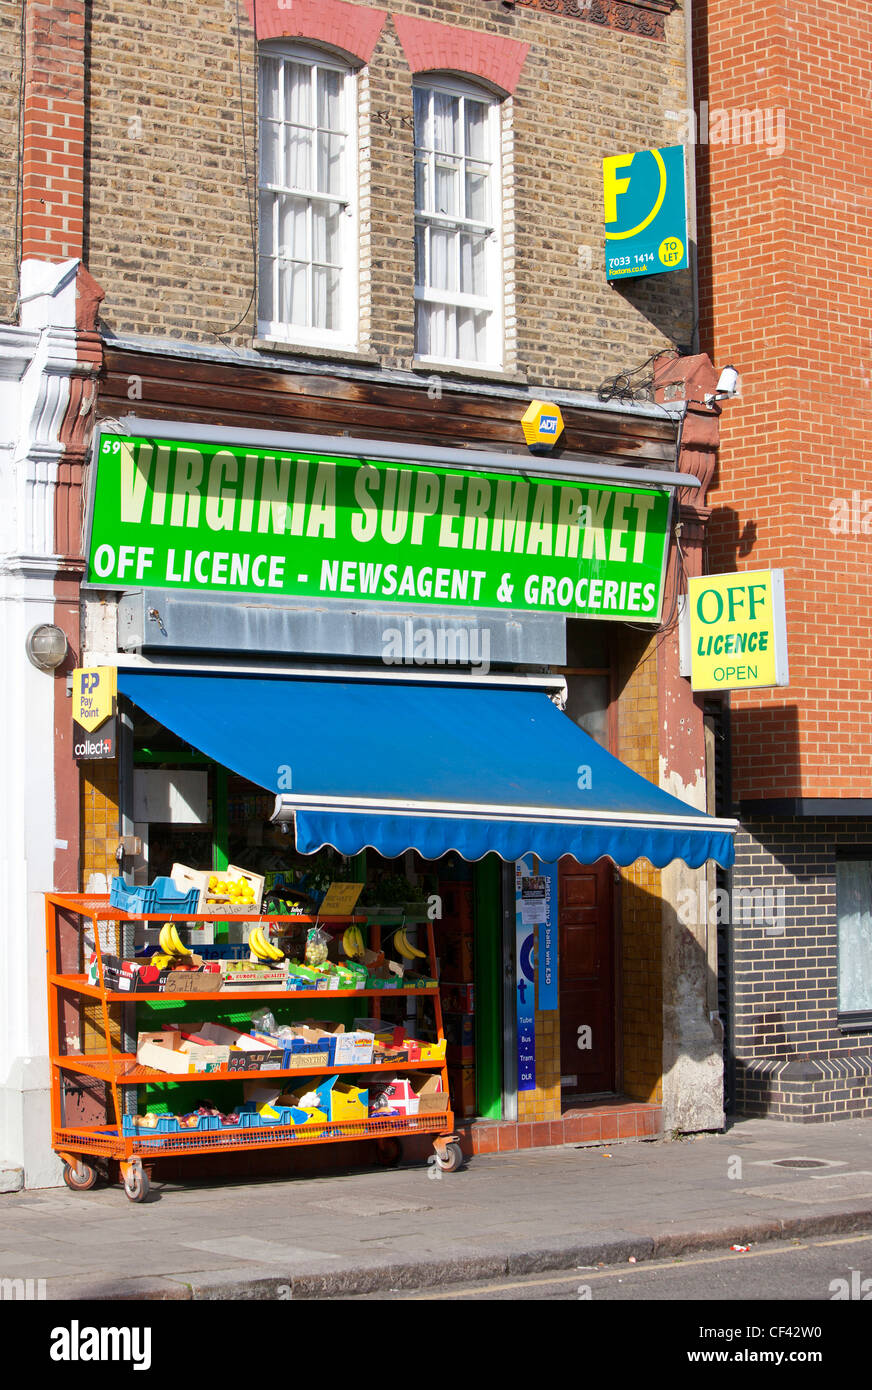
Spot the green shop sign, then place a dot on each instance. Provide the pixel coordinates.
(206, 516)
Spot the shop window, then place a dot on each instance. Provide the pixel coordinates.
(590, 693)
(587, 703)
(307, 210)
(458, 281)
(854, 912)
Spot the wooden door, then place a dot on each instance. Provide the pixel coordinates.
(585, 895)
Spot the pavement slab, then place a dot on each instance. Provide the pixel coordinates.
(517, 1213)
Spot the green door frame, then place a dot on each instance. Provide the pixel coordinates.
(487, 899)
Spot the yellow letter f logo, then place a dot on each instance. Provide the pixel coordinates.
(612, 185)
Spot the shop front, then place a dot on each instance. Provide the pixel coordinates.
(404, 669)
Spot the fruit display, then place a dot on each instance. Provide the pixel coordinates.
(316, 946)
(173, 951)
(237, 892)
(405, 947)
(353, 943)
(302, 1075)
(262, 948)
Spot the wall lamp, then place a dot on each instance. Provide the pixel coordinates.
(46, 647)
(728, 386)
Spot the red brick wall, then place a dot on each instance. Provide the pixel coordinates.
(10, 72)
(784, 296)
(54, 130)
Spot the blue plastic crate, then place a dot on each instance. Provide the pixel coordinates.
(160, 896)
(248, 1116)
(166, 1124)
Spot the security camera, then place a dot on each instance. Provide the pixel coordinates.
(727, 387)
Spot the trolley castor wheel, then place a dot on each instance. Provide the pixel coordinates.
(136, 1183)
(388, 1152)
(449, 1157)
(80, 1177)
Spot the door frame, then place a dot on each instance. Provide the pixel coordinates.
(617, 881)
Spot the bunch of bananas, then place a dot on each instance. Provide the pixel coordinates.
(172, 947)
(405, 947)
(262, 948)
(353, 943)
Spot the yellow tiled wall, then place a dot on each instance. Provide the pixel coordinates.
(640, 912)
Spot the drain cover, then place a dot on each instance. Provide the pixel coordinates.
(800, 1163)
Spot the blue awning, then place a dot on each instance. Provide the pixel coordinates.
(404, 765)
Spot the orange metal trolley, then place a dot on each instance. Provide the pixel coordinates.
(68, 986)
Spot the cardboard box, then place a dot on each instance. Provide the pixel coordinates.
(186, 878)
(202, 1050)
(308, 1097)
(349, 1049)
(125, 976)
(383, 978)
(245, 979)
(302, 1052)
(263, 1098)
(417, 1093)
(458, 958)
(190, 982)
(246, 1053)
(432, 1099)
(255, 881)
(377, 1026)
(461, 1089)
(457, 999)
(431, 1052)
(342, 1100)
(459, 1029)
(163, 1051)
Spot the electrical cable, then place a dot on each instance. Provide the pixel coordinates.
(621, 386)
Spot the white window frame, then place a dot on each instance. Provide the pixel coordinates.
(494, 302)
(848, 946)
(346, 336)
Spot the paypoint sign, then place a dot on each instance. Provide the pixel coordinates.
(738, 634)
(95, 695)
(645, 212)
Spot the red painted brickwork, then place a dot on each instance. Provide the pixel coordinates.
(54, 131)
(335, 22)
(784, 295)
(10, 68)
(447, 48)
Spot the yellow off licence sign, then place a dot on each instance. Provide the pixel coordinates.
(738, 632)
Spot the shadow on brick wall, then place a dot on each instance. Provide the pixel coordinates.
(766, 760)
(730, 538)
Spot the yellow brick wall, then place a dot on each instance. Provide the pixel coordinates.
(169, 232)
(638, 747)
